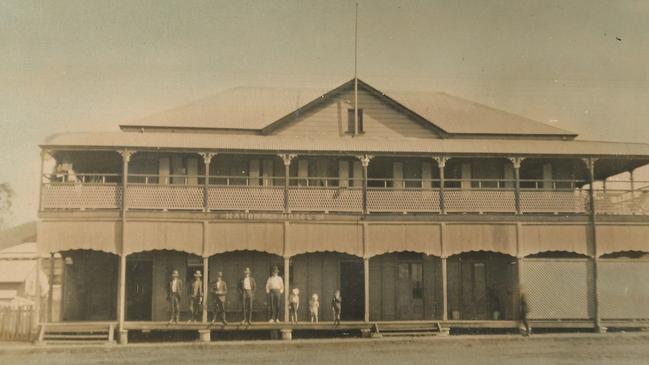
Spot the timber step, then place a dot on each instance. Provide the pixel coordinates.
(56, 333)
(413, 330)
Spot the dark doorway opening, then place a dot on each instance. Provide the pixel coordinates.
(352, 291)
(139, 282)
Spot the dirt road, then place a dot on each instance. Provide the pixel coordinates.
(501, 350)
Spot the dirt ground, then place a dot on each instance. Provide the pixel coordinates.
(542, 349)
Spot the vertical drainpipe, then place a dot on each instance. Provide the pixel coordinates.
(591, 180)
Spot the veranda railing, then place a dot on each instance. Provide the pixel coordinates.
(334, 194)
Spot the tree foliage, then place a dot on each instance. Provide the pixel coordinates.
(6, 197)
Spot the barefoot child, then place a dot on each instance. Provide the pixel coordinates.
(293, 304)
(336, 306)
(314, 308)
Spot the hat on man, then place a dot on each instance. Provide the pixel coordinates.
(197, 274)
(175, 273)
(275, 270)
(247, 271)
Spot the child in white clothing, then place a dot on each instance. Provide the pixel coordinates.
(293, 304)
(314, 308)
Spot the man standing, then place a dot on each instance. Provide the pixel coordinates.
(196, 300)
(275, 288)
(220, 290)
(175, 289)
(247, 288)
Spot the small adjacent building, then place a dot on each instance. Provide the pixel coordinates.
(417, 206)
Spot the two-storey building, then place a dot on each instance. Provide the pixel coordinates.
(417, 206)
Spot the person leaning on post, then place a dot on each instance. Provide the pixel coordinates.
(247, 288)
(275, 289)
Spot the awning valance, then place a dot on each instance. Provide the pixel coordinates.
(239, 236)
(398, 237)
(536, 238)
(56, 236)
(622, 237)
(468, 237)
(156, 235)
(322, 237)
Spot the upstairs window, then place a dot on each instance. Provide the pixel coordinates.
(351, 121)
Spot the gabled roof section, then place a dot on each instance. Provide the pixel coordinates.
(456, 115)
(241, 108)
(268, 109)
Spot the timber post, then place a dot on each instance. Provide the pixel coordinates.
(516, 163)
(366, 289)
(590, 162)
(441, 164)
(207, 160)
(287, 286)
(444, 290)
(50, 294)
(286, 158)
(37, 291)
(121, 285)
(44, 154)
(206, 286)
(365, 162)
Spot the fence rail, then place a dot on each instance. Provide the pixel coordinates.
(332, 194)
(16, 324)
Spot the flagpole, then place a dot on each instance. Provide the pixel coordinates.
(356, 72)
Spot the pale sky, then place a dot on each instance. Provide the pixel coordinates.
(89, 65)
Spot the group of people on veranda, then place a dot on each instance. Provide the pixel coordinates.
(246, 287)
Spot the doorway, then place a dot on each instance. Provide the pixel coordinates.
(352, 279)
(139, 274)
(410, 291)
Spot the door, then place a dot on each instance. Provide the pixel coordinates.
(410, 292)
(352, 291)
(474, 290)
(480, 291)
(139, 281)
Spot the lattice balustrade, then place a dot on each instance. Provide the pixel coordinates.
(81, 196)
(622, 202)
(480, 200)
(330, 199)
(623, 286)
(403, 200)
(165, 197)
(232, 197)
(558, 288)
(544, 201)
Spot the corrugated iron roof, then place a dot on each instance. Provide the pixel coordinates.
(25, 232)
(255, 108)
(347, 144)
(238, 108)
